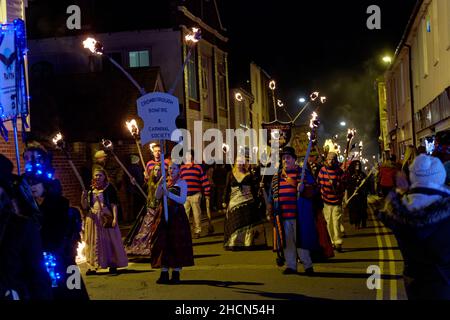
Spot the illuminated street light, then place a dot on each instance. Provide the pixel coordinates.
(302, 100)
(343, 124)
(238, 96)
(387, 59)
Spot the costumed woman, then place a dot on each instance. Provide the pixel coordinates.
(138, 243)
(244, 224)
(171, 242)
(104, 248)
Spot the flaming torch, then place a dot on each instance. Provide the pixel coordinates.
(191, 39)
(350, 135)
(312, 97)
(134, 130)
(272, 87)
(61, 145)
(313, 124)
(96, 47)
(109, 147)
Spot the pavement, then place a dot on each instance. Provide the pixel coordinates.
(254, 275)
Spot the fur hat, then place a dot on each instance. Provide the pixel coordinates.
(427, 171)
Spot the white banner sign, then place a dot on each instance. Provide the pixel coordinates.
(159, 111)
(8, 55)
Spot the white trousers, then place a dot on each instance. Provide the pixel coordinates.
(194, 202)
(333, 216)
(291, 251)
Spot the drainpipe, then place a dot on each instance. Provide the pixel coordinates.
(411, 89)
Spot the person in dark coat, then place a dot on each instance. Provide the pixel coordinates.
(22, 272)
(420, 221)
(57, 234)
(357, 206)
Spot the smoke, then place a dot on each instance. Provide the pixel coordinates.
(351, 97)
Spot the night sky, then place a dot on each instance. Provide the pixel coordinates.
(318, 45)
(306, 46)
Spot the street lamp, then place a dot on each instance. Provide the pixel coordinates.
(387, 59)
(302, 100)
(343, 123)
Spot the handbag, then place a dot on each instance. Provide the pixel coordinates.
(106, 216)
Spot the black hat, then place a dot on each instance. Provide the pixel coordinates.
(289, 151)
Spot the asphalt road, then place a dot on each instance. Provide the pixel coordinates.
(254, 275)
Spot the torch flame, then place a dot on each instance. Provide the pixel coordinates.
(314, 96)
(193, 37)
(57, 138)
(80, 258)
(93, 45)
(107, 144)
(312, 123)
(225, 147)
(132, 126)
(272, 85)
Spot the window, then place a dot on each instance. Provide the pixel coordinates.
(192, 76)
(221, 79)
(435, 34)
(207, 87)
(424, 51)
(139, 59)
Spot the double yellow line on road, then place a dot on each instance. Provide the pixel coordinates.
(391, 270)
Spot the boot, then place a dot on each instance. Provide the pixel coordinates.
(175, 277)
(163, 278)
(210, 228)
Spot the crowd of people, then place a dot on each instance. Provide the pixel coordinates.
(305, 202)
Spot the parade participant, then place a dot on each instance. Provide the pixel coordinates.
(357, 206)
(197, 183)
(325, 250)
(244, 225)
(142, 231)
(387, 175)
(60, 233)
(171, 243)
(299, 237)
(103, 240)
(420, 221)
(314, 163)
(156, 152)
(22, 272)
(135, 199)
(36, 157)
(442, 151)
(332, 190)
